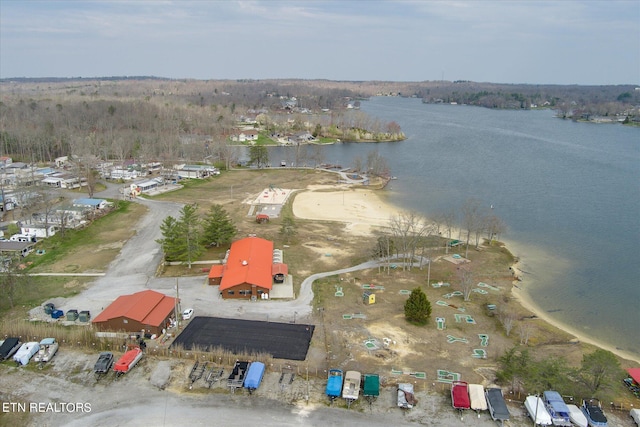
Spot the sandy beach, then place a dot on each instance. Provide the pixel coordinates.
(363, 211)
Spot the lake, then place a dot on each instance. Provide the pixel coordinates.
(568, 192)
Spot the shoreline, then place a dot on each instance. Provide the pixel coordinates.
(364, 210)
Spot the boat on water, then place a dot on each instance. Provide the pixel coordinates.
(128, 360)
(593, 411)
(497, 406)
(577, 417)
(557, 408)
(537, 411)
(460, 396)
(48, 349)
(26, 352)
(334, 383)
(351, 387)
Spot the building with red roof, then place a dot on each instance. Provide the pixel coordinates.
(250, 270)
(147, 310)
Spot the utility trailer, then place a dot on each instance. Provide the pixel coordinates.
(213, 375)
(197, 371)
(236, 378)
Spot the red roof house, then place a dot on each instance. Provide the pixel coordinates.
(148, 310)
(249, 271)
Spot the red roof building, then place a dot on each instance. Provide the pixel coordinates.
(250, 271)
(147, 310)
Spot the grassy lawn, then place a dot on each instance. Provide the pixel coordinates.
(87, 249)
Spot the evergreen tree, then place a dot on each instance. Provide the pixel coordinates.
(417, 309)
(170, 241)
(218, 227)
(181, 238)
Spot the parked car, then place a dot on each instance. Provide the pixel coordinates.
(187, 314)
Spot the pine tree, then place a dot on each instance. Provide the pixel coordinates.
(417, 309)
(181, 238)
(218, 227)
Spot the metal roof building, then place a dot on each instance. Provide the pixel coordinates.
(148, 310)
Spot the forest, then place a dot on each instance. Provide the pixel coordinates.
(166, 120)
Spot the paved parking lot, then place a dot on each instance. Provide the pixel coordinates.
(281, 340)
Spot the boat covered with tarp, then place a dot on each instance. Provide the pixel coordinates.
(254, 376)
(334, 383)
(371, 386)
(497, 406)
(476, 397)
(406, 398)
(26, 352)
(8, 347)
(460, 395)
(537, 411)
(593, 411)
(577, 417)
(557, 408)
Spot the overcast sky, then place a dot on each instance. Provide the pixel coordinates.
(557, 41)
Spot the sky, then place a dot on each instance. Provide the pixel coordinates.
(585, 42)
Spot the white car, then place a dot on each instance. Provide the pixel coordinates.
(187, 314)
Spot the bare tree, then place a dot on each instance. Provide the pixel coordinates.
(525, 330)
(508, 318)
(472, 220)
(409, 229)
(494, 227)
(466, 279)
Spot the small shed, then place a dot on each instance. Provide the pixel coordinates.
(368, 297)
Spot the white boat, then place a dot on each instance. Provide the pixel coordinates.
(577, 417)
(48, 349)
(26, 352)
(537, 411)
(351, 387)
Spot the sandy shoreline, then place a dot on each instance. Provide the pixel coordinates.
(363, 211)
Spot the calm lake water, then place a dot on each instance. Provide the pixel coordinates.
(569, 193)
